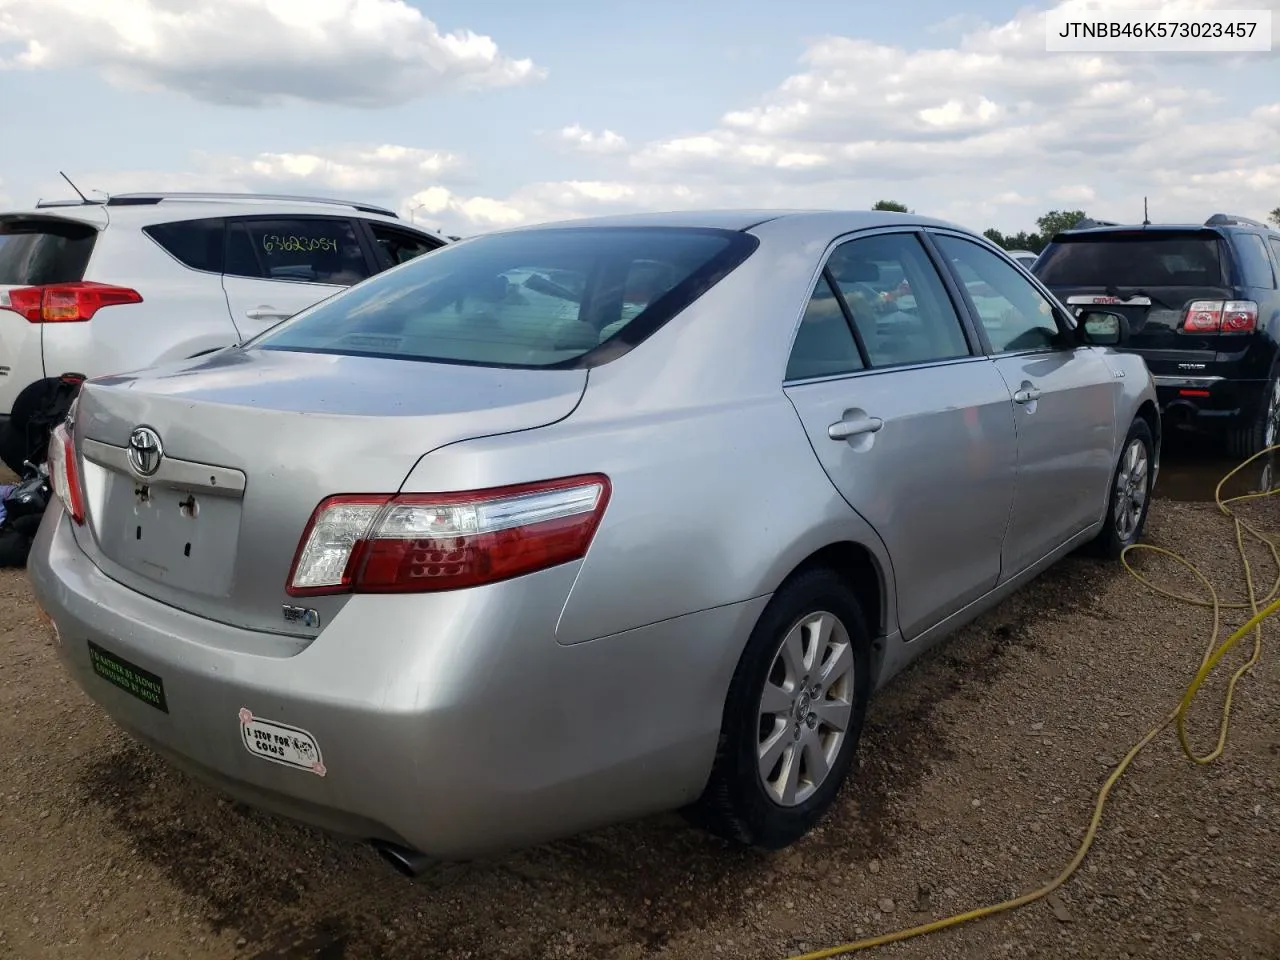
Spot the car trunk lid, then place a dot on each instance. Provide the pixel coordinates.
(231, 453)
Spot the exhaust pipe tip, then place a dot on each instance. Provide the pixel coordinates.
(406, 862)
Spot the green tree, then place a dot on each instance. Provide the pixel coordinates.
(1055, 221)
(1274, 216)
(891, 205)
(1016, 241)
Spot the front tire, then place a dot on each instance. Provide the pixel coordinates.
(1130, 494)
(793, 715)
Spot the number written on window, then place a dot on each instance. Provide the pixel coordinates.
(274, 241)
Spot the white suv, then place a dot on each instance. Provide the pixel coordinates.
(107, 287)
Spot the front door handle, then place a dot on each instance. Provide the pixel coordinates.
(266, 313)
(854, 427)
(1026, 395)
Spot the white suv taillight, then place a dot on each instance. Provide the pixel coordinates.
(64, 475)
(419, 542)
(65, 302)
(1221, 316)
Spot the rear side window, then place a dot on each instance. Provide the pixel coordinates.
(41, 250)
(1255, 265)
(306, 250)
(399, 246)
(197, 244)
(554, 297)
(1275, 248)
(1163, 259)
(824, 344)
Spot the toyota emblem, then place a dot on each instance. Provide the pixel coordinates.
(145, 451)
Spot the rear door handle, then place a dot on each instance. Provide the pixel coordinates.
(266, 313)
(844, 429)
(1026, 395)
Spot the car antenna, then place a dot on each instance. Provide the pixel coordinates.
(74, 187)
(1146, 217)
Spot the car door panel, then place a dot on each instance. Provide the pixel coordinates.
(935, 478)
(276, 267)
(913, 429)
(1066, 438)
(1063, 398)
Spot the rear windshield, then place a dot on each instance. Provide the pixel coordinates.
(38, 251)
(554, 297)
(1133, 260)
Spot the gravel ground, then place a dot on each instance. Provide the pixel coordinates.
(977, 774)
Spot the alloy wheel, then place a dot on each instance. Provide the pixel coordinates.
(806, 708)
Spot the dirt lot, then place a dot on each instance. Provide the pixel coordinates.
(977, 775)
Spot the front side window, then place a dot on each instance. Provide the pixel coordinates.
(307, 250)
(1015, 315)
(530, 298)
(897, 300)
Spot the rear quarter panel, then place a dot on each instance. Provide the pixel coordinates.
(183, 312)
(717, 494)
(708, 507)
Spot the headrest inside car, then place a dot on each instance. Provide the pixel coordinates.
(856, 271)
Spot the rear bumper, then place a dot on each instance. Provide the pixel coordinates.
(1208, 402)
(466, 732)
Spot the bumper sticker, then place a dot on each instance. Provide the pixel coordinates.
(280, 743)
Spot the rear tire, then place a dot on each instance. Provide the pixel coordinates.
(1264, 430)
(1130, 495)
(795, 706)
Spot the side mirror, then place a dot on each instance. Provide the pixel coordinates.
(1102, 329)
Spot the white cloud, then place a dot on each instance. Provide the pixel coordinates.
(543, 202)
(376, 169)
(580, 138)
(988, 126)
(1077, 193)
(361, 53)
(987, 130)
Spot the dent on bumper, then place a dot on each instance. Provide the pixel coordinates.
(453, 724)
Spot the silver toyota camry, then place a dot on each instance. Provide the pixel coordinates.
(569, 524)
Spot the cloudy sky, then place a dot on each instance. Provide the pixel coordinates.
(474, 114)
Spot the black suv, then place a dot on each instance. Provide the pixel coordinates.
(1203, 305)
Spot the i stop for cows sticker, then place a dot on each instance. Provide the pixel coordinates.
(280, 743)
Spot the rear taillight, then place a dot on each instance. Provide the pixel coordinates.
(64, 474)
(412, 543)
(1221, 316)
(65, 302)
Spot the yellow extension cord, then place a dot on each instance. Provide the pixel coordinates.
(1269, 604)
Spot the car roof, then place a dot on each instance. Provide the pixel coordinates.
(149, 208)
(746, 219)
(1223, 225)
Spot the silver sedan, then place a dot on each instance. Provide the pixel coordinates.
(570, 524)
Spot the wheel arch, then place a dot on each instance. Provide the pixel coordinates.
(1149, 412)
(861, 569)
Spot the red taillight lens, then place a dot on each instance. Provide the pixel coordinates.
(64, 475)
(1221, 316)
(66, 302)
(411, 543)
